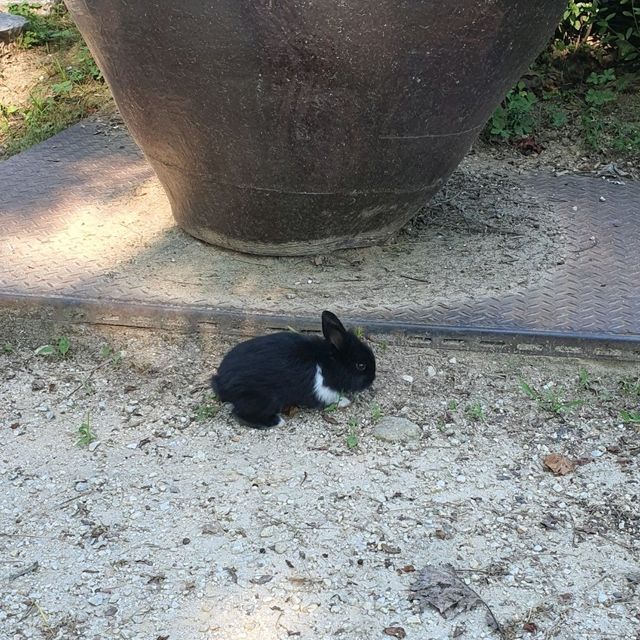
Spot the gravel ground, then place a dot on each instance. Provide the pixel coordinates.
(179, 524)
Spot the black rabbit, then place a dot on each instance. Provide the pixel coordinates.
(263, 376)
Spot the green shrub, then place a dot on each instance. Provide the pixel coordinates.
(515, 116)
(615, 24)
(54, 27)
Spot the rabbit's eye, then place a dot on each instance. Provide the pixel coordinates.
(361, 366)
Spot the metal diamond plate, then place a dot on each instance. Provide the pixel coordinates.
(85, 225)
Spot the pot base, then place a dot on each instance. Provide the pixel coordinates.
(297, 248)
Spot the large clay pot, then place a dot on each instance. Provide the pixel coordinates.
(299, 126)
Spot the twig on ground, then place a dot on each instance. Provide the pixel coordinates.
(492, 616)
(89, 376)
(23, 572)
(402, 275)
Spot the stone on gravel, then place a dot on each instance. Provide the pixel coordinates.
(392, 429)
(11, 26)
(269, 531)
(96, 600)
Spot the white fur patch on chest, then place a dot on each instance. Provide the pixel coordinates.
(323, 393)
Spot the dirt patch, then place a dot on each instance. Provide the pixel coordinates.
(20, 72)
(483, 233)
(181, 524)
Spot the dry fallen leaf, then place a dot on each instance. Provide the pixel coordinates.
(396, 632)
(530, 627)
(528, 146)
(290, 411)
(559, 464)
(233, 574)
(458, 631)
(408, 568)
(389, 548)
(442, 589)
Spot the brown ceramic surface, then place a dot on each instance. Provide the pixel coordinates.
(296, 126)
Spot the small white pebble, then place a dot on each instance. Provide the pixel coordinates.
(96, 600)
(602, 199)
(408, 379)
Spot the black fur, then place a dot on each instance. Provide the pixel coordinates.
(262, 376)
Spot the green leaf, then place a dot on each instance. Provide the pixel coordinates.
(85, 433)
(630, 416)
(352, 441)
(599, 97)
(529, 390)
(63, 345)
(62, 87)
(45, 350)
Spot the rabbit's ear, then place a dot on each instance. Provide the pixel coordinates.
(333, 330)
